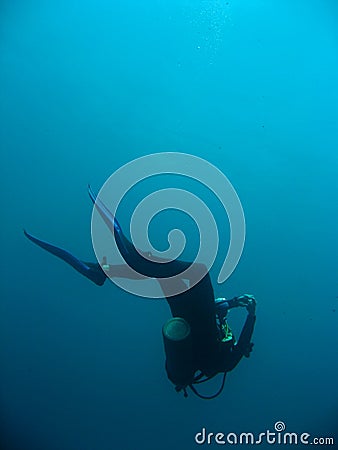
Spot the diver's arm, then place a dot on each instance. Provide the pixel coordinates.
(244, 344)
(223, 305)
(241, 300)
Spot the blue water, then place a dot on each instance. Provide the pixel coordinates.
(87, 87)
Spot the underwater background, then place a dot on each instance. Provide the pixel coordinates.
(250, 86)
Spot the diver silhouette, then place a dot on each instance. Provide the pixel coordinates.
(198, 341)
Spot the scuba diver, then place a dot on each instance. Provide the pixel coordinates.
(198, 341)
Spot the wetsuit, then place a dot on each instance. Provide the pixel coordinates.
(196, 305)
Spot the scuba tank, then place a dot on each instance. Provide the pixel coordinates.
(180, 367)
(178, 349)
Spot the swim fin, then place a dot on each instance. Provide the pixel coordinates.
(93, 271)
(112, 223)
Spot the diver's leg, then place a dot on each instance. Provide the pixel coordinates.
(90, 270)
(136, 259)
(122, 271)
